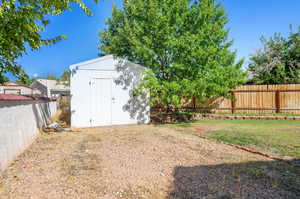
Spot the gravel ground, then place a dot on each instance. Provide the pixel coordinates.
(135, 162)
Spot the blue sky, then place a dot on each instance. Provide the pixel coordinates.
(248, 21)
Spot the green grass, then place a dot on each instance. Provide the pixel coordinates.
(280, 137)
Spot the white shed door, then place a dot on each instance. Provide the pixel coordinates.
(120, 99)
(101, 102)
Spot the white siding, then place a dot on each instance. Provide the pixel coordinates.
(80, 99)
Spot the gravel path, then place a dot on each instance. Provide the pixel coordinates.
(136, 162)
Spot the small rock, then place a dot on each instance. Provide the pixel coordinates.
(53, 125)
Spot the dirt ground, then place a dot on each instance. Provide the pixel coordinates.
(135, 162)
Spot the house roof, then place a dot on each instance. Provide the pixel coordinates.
(12, 84)
(15, 84)
(53, 84)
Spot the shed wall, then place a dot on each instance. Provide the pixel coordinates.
(125, 76)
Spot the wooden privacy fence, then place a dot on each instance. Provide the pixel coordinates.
(255, 99)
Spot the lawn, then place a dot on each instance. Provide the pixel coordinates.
(260, 114)
(147, 161)
(280, 138)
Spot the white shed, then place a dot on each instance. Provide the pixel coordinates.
(101, 93)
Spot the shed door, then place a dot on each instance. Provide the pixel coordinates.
(101, 102)
(120, 112)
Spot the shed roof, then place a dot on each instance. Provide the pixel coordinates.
(91, 61)
(107, 62)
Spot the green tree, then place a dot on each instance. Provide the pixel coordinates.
(183, 42)
(65, 77)
(24, 78)
(21, 23)
(278, 61)
(3, 79)
(51, 77)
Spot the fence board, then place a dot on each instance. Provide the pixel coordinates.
(252, 99)
(263, 99)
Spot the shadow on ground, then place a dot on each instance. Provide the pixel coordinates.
(241, 180)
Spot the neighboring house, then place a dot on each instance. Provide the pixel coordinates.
(51, 88)
(101, 91)
(16, 88)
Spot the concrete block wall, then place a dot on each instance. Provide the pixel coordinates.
(20, 123)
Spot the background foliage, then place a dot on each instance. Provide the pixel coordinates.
(21, 22)
(278, 61)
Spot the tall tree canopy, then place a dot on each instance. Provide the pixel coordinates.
(65, 76)
(51, 77)
(21, 23)
(24, 78)
(278, 61)
(183, 42)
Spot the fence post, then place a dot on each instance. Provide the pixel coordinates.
(277, 101)
(194, 103)
(232, 101)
